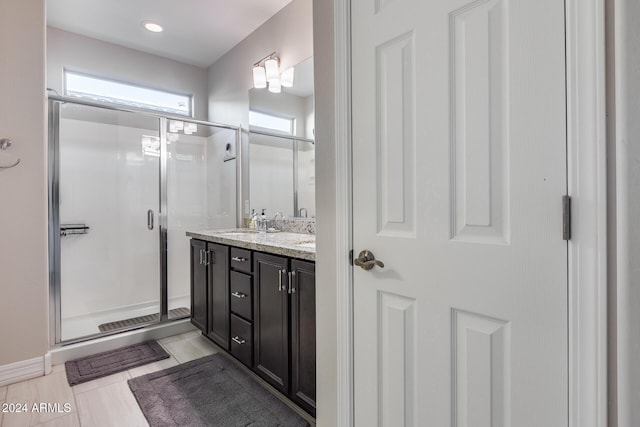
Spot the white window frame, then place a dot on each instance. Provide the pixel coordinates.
(290, 120)
(143, 103)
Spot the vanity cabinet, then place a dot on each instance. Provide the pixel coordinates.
(242, 305)
(198, 285)
(285, 326)
(271, 314)
(260, 308)
(210, 290)
(303, 334)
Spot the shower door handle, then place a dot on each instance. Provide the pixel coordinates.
(150, 219)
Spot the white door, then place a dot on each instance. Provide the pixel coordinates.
(459, 171)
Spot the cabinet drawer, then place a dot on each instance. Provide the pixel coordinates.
(242, 340)
(241, 260)
(241, 295)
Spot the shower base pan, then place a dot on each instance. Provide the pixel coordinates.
(176, 313)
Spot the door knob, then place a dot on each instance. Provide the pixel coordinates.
(367, 260)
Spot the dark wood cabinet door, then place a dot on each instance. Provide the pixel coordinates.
(271, 320)
(198, 285)
(218, 275)
(303, 335)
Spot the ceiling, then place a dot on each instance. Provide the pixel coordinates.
(196, 32)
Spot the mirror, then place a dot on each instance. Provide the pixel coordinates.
(282, 147)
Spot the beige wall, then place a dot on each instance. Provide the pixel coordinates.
(289, 34)
(23, 190)
(91, 56)
(326, 292)
(627, 214)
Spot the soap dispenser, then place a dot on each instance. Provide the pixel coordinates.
(253, 220)
(263, 221)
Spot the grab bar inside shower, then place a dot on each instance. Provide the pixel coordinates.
(72, 229)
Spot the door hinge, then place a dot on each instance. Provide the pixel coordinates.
(566, 217)
(351, 257)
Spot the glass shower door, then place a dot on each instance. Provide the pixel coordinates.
(201, 194)
(107, 165)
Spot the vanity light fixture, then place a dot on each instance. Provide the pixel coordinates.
(275, 86)
(272, 69)
(152, 26)
(266, 73)
(259, 77)
(190, 128)
(286, 78)
(176, 125)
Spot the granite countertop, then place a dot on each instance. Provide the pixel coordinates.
(294, 245)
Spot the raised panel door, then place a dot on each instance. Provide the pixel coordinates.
(271, 320)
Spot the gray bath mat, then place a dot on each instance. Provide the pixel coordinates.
(113, 361)
(211, 391)
(127, 323)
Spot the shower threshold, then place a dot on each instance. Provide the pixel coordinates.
(176, 313)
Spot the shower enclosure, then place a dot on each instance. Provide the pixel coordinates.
(124, 186)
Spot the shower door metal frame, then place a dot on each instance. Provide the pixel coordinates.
(55, 300)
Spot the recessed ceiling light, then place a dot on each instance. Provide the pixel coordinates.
(153, 27)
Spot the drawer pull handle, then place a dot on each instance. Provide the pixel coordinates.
(281, 286)
(238, 340)
(292, 276)
(239, 295)
(239, 259)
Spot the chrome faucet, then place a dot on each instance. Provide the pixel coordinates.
(305, 212)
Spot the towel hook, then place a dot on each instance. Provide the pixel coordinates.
(5, 143)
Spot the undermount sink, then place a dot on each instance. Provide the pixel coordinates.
(246, 231)
(307, 244)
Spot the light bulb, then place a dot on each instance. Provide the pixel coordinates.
(259, 77)
(274, 86)
(271, 68)
(153, 27)
(175, 125)
(190, 128)
(286, 78)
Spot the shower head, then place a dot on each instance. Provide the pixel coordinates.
(228, 156)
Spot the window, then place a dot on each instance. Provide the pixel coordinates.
(271, 123)
(103, 90)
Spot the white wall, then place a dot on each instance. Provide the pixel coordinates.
(24, 300)
(326, 245)
(289, 34)
(310, 119)
(91, 56)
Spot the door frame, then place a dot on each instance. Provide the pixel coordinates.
(586, 183)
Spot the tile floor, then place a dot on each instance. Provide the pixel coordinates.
(104, 402)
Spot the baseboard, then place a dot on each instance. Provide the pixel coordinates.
(24, 370)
